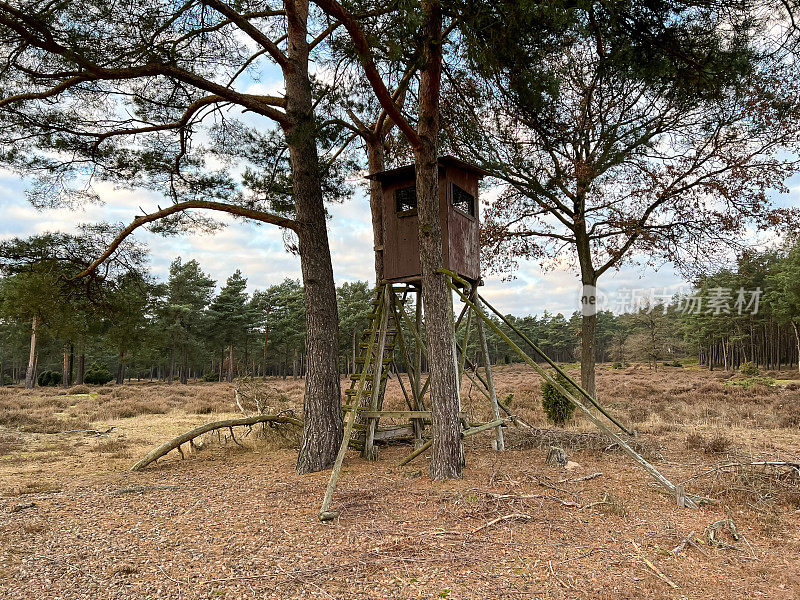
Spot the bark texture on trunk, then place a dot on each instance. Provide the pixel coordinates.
(65, 369)
(81, 368)
(589, 310)
(121, 369)
(322, 414)
(71, 365)
(797, 341)
(588, 330)
(376, 159)
(230, 363)
(30, 374)
(447, 452)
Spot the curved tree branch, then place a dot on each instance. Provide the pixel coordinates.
(251, 30)
(256, 215)
(37, 34)
(182, 122)
(53, 91)
(338, 12)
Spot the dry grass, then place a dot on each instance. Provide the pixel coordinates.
(53, 410)
(116, 447)
(228, 511)
(544, 437)
(9, 442)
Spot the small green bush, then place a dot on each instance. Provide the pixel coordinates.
(97, 374)
(7, 380)
(749, 369)
(616, 365)
(556, 406)
(674, 363)
(211, 376)
(49, 378)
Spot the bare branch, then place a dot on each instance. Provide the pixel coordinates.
(41, 38)
(53, 91)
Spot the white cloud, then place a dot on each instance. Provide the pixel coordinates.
(258, 250)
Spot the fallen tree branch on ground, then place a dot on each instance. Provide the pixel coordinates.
(535, 497)
(794, 467)
(176, 443)
(544, 437)
(504, 518)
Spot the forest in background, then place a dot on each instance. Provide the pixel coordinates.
(127, 324)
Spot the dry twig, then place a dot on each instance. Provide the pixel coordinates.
(654, 568)
(503, 518)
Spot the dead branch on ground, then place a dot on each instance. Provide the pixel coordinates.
(189, 436)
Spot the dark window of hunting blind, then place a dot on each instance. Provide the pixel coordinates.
(463, 201)
(406, 199)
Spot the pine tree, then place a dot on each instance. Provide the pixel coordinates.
(231, 315)
(181, 313)
(783, 295)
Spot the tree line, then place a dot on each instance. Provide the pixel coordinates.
(137, 327)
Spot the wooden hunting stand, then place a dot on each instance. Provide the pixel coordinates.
(395, 331)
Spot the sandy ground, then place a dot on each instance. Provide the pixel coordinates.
(231, 522)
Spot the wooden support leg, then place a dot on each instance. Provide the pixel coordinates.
(418, 370)
(499, 441)
(377, 373)
(691, 502)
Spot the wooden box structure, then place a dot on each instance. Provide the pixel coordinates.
(458, 208)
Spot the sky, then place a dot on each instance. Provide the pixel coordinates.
(257, 250)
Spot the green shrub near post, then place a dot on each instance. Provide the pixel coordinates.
(556, 406)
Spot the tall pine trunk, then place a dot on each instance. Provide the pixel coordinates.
(322, 413)
(71, 365)
(589, 310)
(30, 374)
(376, 160)
(121, 369)
(447, 454)
(81, 368)
(229, 378)
(65, 368)
(171, 364)
(588, 331)
(797, 342)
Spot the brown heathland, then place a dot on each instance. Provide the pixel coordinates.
(234, 521)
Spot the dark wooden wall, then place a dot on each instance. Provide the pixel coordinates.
(461, 233)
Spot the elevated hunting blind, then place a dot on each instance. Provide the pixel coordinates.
(459, 214)
(393, 344)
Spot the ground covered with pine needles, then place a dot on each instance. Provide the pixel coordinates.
(232, 520)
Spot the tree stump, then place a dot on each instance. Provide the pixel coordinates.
(556, 456)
